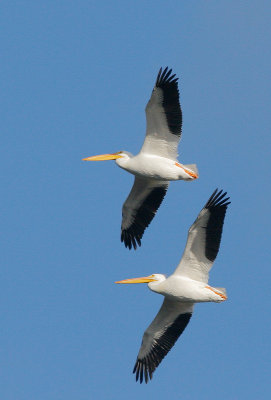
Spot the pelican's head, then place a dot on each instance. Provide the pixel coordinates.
(111, 156)
(152, 280)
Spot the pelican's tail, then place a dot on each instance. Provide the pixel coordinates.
(193, 168)
(223, 291)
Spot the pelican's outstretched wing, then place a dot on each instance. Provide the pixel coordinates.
(203, 239)
(164, 117)
(161, 336)
(140, 208)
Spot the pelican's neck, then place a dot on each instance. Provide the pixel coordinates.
(124, 160)
(159, 284)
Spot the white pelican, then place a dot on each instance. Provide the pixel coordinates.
(185, 287)
(156, 164)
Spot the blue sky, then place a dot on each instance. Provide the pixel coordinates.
(75, 80)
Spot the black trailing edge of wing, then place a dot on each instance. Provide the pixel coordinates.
(132, 236)
(171, 104)
(145, 367)
(217, 206)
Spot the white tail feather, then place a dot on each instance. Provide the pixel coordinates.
(222, 290)
(193, 168)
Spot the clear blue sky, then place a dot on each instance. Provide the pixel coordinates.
(75, 78)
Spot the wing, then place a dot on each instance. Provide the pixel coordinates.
(161, 336)
(139, 209)
(204, 238)
(164, 117)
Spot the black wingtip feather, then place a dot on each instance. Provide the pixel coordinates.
(171, 104)
(145, 367)
(132, 236)
(217, 206)
(217, 199)
(164, 77)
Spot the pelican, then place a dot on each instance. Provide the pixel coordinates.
(156, 164)
(185, 287)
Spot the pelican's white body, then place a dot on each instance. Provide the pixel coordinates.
(155, 167)
(184, 289)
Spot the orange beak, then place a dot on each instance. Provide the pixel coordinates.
(103, 157)
(144, 279)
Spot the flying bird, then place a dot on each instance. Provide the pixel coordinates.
(156, 164)
(185, 287)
